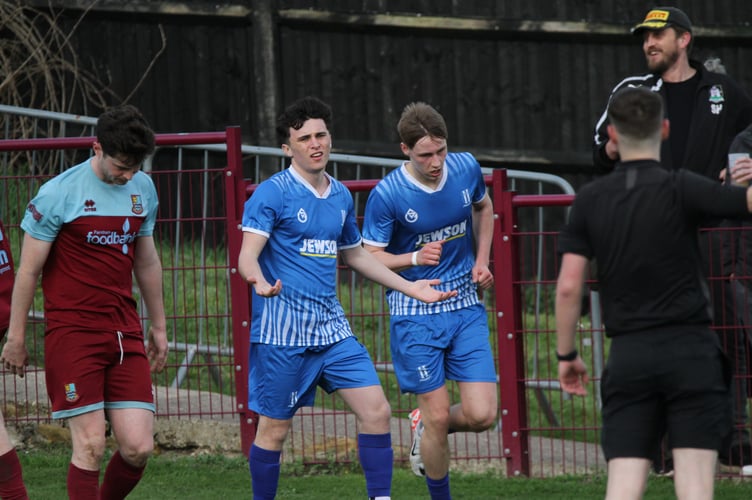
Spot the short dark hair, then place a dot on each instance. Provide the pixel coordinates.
(636, 112)
(300, 111)
(124, 133)
(419, 120)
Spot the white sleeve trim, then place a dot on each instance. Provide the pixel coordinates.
(256, 231)
(345, 247)
(375, 243)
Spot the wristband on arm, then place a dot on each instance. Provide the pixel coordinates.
(567, 357)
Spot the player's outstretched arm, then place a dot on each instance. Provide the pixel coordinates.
(372, 268)
(249, 268)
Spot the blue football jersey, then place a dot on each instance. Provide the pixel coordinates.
(305, 231)
(403, 215)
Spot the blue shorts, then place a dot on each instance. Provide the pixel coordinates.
(429, 349)
(281, 379)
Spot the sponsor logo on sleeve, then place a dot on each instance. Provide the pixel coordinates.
(35, 214)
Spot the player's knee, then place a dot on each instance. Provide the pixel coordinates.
(137, 455)
(437, 421)
(377, 418)
(89, 451)
(380, 413)
(385, 411)
(482, 420)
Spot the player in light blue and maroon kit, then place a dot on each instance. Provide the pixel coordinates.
(11, 479)
(88, 232)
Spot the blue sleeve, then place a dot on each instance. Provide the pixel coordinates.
(480, 184)
(350, 236)
(378, 222)
(152, 200)
(262, 209)
(45, 213)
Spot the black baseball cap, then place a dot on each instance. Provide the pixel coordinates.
(662, 17)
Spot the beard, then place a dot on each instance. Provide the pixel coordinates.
(664, 64)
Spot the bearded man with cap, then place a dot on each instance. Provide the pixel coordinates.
(706, 110)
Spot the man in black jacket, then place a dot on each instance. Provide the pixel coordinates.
(737, 265)
(706, 111)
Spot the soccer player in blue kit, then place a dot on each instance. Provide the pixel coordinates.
(294, 227)
(432, 219)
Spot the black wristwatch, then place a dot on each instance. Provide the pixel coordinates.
(567, 357)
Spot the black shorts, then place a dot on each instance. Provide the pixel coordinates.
(675, 382)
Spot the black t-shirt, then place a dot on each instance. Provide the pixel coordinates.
(640, 225)
(680, 102)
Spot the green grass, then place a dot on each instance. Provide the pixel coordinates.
(210, 477)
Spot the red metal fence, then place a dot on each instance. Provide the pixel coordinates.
(193, 238)
(540, 432)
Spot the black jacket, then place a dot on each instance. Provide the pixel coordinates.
(721, 110)
(737, 254)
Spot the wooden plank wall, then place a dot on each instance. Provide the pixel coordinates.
(520, 82)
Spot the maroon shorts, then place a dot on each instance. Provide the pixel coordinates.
(90, 370)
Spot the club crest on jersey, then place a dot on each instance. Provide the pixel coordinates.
(411, 215)
(70, 393)
(302, 216)
(136, 206)
(35, 214)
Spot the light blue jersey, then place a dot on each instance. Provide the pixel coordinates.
(403, 215)
(87, 278)
(305, 231)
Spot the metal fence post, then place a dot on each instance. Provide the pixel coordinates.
(513, 407)
(240, 297)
